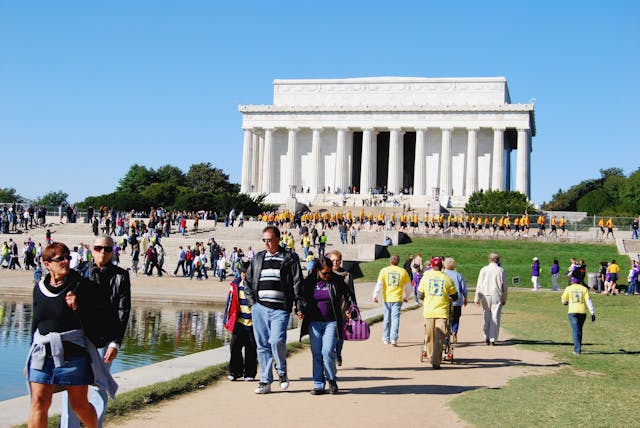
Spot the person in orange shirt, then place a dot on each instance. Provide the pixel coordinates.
(610, 227)
(554, 227)
(541, 225)
(563, 225)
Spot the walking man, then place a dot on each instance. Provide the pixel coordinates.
(491, 293)
(437, 290)
(105, 274)
(395, 284)
(273, 287)
(577, 298)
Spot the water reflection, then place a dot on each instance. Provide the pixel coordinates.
(155, 333)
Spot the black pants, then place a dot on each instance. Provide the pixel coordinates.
(180, 264)
(242, 337)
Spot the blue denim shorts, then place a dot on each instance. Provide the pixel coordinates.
(74, 371)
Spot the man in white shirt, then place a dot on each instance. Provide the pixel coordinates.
(491, 292)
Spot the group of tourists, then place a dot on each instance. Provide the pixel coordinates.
(16, 218)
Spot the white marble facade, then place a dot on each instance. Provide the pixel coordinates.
(390, 134)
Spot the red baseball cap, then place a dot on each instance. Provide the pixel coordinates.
(436, 261)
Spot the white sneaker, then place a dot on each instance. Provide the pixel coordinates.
(394, 343)
(263, 388)
(231, 378)
(386, 342)
(284, 382)
(249, 379)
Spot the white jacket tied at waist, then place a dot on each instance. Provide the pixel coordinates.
(38, 352)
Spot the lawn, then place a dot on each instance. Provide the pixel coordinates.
(515, 256)
(597, 388)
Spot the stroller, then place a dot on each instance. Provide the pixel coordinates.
(447, 346)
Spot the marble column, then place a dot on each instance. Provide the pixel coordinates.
(267, 161)
(292, 160)
(419, 171)
(472, 161)
(395, 161)
(260, 163)
(367, 165)
(245, 183)
(315, 161)
(341, 162)
(255, 166)
(522, 169)
(445, 165)
(497, 177)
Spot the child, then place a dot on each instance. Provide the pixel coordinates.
(237, 320)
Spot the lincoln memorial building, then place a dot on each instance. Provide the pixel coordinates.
(430, 139)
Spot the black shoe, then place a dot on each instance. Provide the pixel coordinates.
(436, 367)
(317, 391)
(339, 361)
(486, 341)
(333, 387)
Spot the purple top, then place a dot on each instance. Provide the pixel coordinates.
(535, 268)
(323, 300)
(555, 268)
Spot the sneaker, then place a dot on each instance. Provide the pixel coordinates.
(436, 367)
(249, 379)
(317, 391)
(339, 361)
(232, 378)
(263, 388)
(333, 387)
(394, 343)
(284, 382)
(492, 343)
(385, 341)
(454, 338)
(486, 341)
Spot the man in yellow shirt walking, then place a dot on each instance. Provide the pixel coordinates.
(437, 290)
(576, 296)
(395, 284)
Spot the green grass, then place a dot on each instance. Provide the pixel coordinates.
(597, 388)
(515, 256)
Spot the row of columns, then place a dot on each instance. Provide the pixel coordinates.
(257, 161)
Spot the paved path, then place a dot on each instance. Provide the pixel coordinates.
(379, 385)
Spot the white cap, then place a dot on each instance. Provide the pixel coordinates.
(535, 259)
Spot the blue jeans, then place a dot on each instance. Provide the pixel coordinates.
(270, 331)
(391, 321)
(577, 321)
(323, 337)
(98, 398)
(631, 289)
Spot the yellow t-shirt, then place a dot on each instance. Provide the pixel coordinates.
(576, 295)
(613, 268)
(436, 288)
(393, 279)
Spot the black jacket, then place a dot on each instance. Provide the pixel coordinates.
(340, 296)
(117, 279)
(290, 276)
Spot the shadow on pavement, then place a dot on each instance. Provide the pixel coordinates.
(412, 389)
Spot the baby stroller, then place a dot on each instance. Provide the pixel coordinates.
(447, 346)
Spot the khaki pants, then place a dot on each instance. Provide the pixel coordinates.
(435, 333)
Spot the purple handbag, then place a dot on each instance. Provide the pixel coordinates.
(356, 329)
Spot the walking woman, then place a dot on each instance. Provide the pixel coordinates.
(61, 357)
(325, 294)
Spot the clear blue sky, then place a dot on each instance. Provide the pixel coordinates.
(89, 88)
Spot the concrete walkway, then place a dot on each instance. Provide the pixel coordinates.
(379, 385)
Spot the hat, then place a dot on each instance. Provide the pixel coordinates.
(436, 261)
(535, 259)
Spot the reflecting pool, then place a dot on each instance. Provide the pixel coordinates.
(155, 333)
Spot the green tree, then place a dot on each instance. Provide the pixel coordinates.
(499, 202)
(8, 195)
(52, 199)
(162, 194)
(594, 202)
(203, 178)
(137, 178)
(170, 174)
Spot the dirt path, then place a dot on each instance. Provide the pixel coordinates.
(379, 385)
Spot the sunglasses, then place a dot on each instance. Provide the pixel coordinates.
(106, 248)
(60, 259)
(266, 240)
